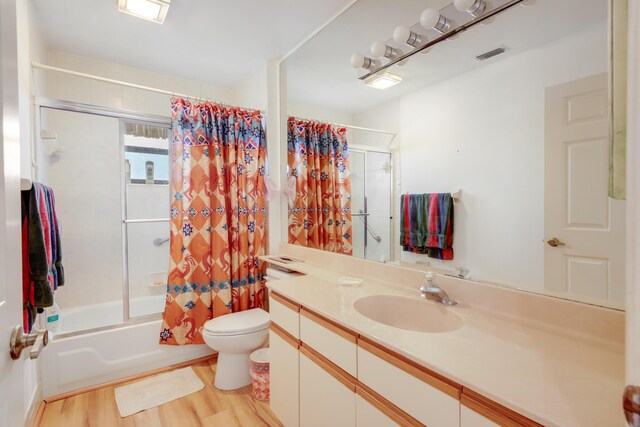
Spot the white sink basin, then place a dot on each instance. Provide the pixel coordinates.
(409, 313)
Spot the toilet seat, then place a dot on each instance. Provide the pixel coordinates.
(243, 322)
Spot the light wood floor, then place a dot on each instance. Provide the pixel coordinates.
(208, 407)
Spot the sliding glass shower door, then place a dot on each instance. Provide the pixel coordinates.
(371, 204)
(110, 177)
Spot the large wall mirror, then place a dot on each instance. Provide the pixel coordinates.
(511, 116)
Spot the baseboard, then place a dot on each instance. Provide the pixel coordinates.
(130, 378)
(38, 414)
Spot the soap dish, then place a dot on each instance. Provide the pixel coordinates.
(349, 281)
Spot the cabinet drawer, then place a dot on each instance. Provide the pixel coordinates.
(325, 400)
(469, 418)
(429, 400)
(285, 314)
(482, 412)
(373, 410)
(368, 415)
(333, 342)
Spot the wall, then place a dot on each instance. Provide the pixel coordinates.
(78, 89)
(449, 142)
(307, 111)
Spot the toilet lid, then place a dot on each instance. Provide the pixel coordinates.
(239, 323)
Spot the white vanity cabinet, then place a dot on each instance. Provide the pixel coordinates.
(323, 374)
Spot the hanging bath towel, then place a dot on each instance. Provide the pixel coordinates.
(426, 224)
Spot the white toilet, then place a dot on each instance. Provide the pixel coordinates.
(235, 336)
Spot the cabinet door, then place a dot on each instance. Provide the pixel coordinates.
(284, 376)
(324, 400)
(469, 418)
(368, 415)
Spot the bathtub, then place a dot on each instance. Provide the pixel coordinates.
(94, 316)
(80, 360)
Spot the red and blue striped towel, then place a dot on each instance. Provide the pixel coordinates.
(426, 224)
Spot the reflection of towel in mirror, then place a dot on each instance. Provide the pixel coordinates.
(426, 224)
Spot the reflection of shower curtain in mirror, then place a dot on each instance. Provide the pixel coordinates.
(318, 158)
(218, 217)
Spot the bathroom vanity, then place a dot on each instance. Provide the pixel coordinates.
(500, 357)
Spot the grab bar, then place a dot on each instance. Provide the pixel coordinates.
(369, 229)
(159, 241)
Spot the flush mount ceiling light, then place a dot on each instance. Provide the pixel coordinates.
(151, 10)
(383, 81)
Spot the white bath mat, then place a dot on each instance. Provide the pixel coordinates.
(156, 391)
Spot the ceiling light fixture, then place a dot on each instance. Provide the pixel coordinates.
(383, 81)
(380, 49)
(150, 10)
(358, 60)
(432, 19)
(474, 8)
(403, 35)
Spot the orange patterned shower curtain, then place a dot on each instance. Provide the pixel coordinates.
(218, 218)
(318, 159)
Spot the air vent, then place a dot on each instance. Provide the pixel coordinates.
(491, 54)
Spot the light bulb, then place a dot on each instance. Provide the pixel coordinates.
(473, 7)
(403, 35)
(380, 49)
(358, 60)
(432, 19)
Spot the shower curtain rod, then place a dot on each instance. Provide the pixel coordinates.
(40, 66)
(386, 132)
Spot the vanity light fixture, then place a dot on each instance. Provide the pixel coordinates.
(403, 35)
(474, 8)
(150, 10)
(380, 49)
(382, 81)
(432, 19)
(358, 60)
(386, 54)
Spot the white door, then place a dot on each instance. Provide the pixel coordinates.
(587, 260)
(12, 406)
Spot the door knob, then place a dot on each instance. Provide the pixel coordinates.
(631, 405)
(555, 242)
(20, 341)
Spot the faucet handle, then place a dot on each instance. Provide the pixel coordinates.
(430, 279)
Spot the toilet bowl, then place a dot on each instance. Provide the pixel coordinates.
(234, 336)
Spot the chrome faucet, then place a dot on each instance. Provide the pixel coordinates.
(431, 290)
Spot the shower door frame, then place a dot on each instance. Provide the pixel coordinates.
(123, 116)
(364, 149)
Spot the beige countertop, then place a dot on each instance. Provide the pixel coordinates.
(552, 378)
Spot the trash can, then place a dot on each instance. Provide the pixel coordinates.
(259, 371)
